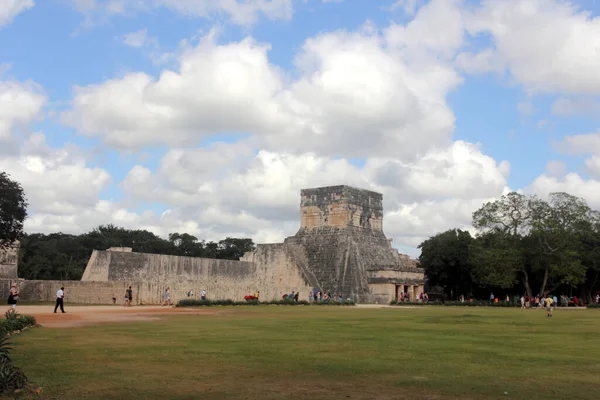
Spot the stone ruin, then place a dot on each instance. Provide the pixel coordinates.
(339, 248)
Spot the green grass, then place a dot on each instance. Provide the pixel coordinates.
(323, 353)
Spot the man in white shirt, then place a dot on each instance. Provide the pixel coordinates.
(59, 300)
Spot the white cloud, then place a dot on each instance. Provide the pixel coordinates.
(526, 108)
(379, 96)
(139, 39)
(56, 181)
(260, 191)
(242, 12)
(588, 143)
(547, 45)
(9, 9)
(20, 104)
(592, 165)
(571, 183)
(349, 84)
(576, 107)
(556, 169)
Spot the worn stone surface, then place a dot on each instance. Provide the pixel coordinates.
(341, 243)
(339, 248)
(8, 262)
(340, 206)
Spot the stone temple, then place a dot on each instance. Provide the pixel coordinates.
(339, 248)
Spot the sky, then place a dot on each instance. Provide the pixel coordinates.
(210, 116)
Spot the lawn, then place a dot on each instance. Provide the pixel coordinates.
(323, 353)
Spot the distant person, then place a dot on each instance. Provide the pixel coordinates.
(167, 298)
(555, 301)
(13, 296)
(296, 296)
(522, 301)
(190, 293)
(492, 298)
(257, 295)
(203, 294)
(129, 294)
(310, 297)
(549, 307)
(60, 297)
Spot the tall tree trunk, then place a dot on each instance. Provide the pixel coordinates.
(526, 284)
(543, 289)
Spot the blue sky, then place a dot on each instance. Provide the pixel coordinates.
(59, 47)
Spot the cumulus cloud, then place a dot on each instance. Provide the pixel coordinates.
(546, 45)
(570, 107)
(139, 39)
(9, 9)
(20, 104)
(259, 191)
(349, 85)
(242, 12)
(366, 108)
(571, 183)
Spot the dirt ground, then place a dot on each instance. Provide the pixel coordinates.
(79, 315)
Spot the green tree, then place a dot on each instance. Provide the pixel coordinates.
(234, 248)
(502, 224)
(13, 210)
(446, 260)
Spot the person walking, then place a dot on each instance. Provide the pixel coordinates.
(13, 296)
(60, 295)
(129, 296)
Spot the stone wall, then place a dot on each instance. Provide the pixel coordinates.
(339, 259)
(144, 267)
(341, 206)
(8, 262)
(79, 292)
(277, 272)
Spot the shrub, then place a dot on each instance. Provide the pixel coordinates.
(254, 302)
(474, 303)
(11, 377)
(593, 305)
(15, 322)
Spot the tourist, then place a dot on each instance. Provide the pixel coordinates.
(167, 298)
(296, 296)
(492, 298)
(341, 298)
(257, 295)
(549, 307)
(60, 297)
(203, 294)
(310, 297)
(190, 293)
(554, 301)
(13, 296)
(522, 302)
(129, 294)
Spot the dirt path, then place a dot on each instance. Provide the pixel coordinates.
(77, 316)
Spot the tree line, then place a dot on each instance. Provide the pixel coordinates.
(61, 256)
(524, 245)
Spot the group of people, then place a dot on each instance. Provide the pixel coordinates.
(13, 298)
(540, 301)
(315, 297)
(420, 297)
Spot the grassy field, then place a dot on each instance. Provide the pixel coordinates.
(323, 353)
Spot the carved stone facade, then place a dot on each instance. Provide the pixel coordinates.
(9, 258)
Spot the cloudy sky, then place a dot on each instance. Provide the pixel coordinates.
(209, 116)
